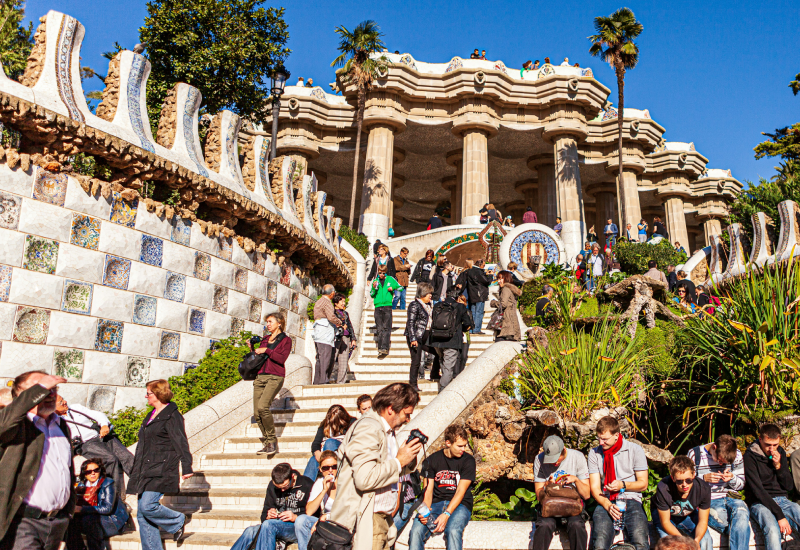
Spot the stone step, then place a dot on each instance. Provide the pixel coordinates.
(191, 541)
(316, 413)
(355, 388)
(228, 478)
(201, 499)
(297, 459)
(399, 337)
(369, 355)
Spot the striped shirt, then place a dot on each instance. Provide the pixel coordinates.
(705, 464)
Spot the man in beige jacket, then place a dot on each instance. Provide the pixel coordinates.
(372, 461)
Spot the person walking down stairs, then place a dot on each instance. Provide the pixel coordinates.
(382, 293)
(325, 324)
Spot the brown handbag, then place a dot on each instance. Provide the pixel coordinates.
(559, 501)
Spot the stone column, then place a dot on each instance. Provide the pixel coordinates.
(569, 195)
(606, 209)
(377, 191)
(712, 226)
(529, 190)
(547, 203)
(631, 209)
(396, 202)
(475, 176)
(676, 221)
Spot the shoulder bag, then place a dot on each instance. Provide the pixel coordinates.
(559, 501)
(496, 320)
(330, 535)
(252, 362)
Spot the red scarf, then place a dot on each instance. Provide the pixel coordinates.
(609, 472)
(90, 493)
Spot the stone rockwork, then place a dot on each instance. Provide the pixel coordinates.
(250, 164)
(108, 106)
(37, 57)
(168, 122)
(276, 179)
(214, 144)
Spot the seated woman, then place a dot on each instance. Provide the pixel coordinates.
(685, 300)
(319, 500)
(99, 511)
(329, 436)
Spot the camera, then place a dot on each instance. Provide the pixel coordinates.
(255, 340)
(416, 434)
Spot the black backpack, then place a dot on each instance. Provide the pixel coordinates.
(443, 321)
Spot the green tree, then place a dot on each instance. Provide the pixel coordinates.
(224, 48)
(614, 44)
(795, 84)
(16, 41)
(359, 69)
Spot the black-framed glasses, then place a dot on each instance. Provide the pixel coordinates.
(328, 468)
(92, 471)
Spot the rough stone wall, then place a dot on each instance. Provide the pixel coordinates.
(108, 107)
(276, 180)
(249, 166)
(168, 122)
(297, 184)
(214, 144)
(700, 273)
(350, 263)
(37, 56)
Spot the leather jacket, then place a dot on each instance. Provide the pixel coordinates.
(417, 322)
(108, 504)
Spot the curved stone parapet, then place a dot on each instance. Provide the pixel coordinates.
(527, 240)
(131, 113)
(696, 267)
(787, 244)
(738, 252)
(288, 170)
(762, 246)
(321, 221)
(309, 190)
(717, 258)
(329, 210)
(187, 139)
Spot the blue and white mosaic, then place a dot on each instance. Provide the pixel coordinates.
(135, 81)
(109, 336)
(152, 250)
(181, 230)
(176, 287)
(197, 321)
(144, 310)
(170, 345)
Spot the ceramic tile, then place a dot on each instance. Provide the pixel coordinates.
(272, 291)
(286, 273)
(152, 250)
(197, 321)
(101, 398)
(109, 336)
(31, 325)
(202, 266)
(122, 212)
(225, 248)
(138, 372)
(220, 304)
(176, 287)
(77, 297)
(295, 302)
(9, 210)
(85, 231)
(144, 310)
(240, 279)
(255, 310)
(5, 282)
(40, 254)
(181, 230)
(116, 272)
(236, 326)
(170, 345)
(188, 366)
(68, 363)
(259, 263)
(49, 187)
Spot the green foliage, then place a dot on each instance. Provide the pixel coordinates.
(521, 505)
(795, 84)
(16, 41)
(87, 165)
(127, 422)
(653, 478)
(660, 349)
(633, 256)
(11, 137)
(225, 48)
(784, 143)
(487, 506)
(614, 41)
(310, 308)
(359, 242)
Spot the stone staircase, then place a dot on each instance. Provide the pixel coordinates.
(226, 493)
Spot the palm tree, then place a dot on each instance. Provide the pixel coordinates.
(361, 70)
(614, 43)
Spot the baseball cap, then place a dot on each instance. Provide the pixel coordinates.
(553, 447)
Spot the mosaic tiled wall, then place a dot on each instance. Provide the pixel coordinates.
(109, 295)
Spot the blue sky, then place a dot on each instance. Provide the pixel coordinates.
(713, 72)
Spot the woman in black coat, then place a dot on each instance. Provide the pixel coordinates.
(443, 280)
(162, 448)
(422, 271)
(416, 333)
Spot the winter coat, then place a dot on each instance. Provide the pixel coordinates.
(508, 301)
(417, 322)
(463, 323)
(112, 511)
(389, 268)
(478, 282)
(162, 447)
(402, 268)
(422, 275)
(383, 296)
(440, 280)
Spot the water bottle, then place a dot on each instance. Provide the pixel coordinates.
(621, 505)
(425, 512)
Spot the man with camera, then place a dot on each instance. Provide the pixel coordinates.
(372, 461)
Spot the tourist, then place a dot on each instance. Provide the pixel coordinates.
(310, 83)
(447, 343)
(671, 542)
(287, 495)
(512, 268)
(565, 63)
(443, 280)
(372, 463)
(529, 216)
(509, 293)
(320, 500)
(402, 268)
(330, 433)
(642, 227)
(162, 441)
(543, 306)
(608, 261)
(364, 404)
(269, 380)
(375, 247)
(535, 64)
(527, 66)
(382, 258)
(422, 271)
(92, 430)
(557, 464)
(672, 278)
(594, 267)
(617, 471)
(705, 302)
(300, 82)
(382, 293)
(465, 339)
(654, 273)
(658, 228)
(484, 213)
(766, 470)
(685, 300)
(720, 464)
(435, 222)
(683, 503)
(580, 267)
(685, 282)
(345, 341)
(461, 280)
(417, 330)
(475, 55)
(558, 227)
(546, 60)
(577, 65)
(46, 487)
(591, 236)
(492, 213)
(450, 475)
(326, 323)
(100, 512)
(679, 248)
(628, 234)
(508, 222)
(587, 249)
(483, 55)
(478, 282)
(611, 232)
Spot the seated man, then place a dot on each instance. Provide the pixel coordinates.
(557, 458)
(769, 480)
(683, 502)
(720, 465)
(287, 495)
(617, 471)
(449, 474)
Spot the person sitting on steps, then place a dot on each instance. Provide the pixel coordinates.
(683, 502)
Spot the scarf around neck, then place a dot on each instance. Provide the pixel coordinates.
(609, 472)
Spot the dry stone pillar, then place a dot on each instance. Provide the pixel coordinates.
(606, 209)
(377, 193)
(569, 195)
(629, 202)
(712, 226)
(676, 221)
(547, 204)
(475, 175)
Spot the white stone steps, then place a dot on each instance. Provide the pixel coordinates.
(325, 401)
(191, 541)
(228, 478)
(298, 460)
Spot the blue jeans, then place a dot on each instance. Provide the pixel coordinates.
(453, 531)
(151, 515)
(769, 525)
(731, 516)
(312, 468)
(590, 284)
(686, 526)
(399, 298)
(271, 530)
(477, 316)
(302, 528)
(401, 517)
(636, 530)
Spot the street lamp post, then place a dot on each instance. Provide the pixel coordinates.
(279, 77)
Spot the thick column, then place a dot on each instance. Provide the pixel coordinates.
(712, 226)
(475, 176)
(377, 193)
(548, 203)
(631, 210)
(606, 209)
(569, 195)
(529, 190)
(676, 221)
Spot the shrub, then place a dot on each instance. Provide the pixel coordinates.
(633, 256)
(359, 242)
(127, 422)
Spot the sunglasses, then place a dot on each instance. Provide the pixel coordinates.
(328, 468)
(684, 481)
(92, 471)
